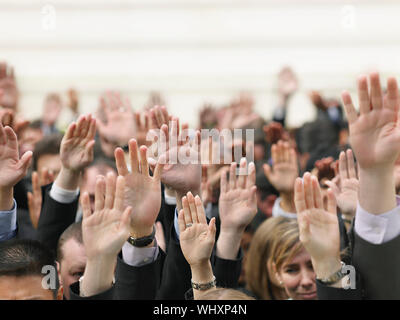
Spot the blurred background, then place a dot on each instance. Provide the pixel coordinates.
(196, 51)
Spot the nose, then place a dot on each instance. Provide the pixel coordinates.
(307, 279)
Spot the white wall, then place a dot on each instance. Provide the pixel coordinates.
(194, 51)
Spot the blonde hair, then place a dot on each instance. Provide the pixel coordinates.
(225, 294)
(275, 242)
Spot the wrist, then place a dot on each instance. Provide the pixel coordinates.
(228, 243)
(68, 178)
(98, 275)
(136, 232)
(6, 198)
(377, 193)
(202, 271)
(324, 268)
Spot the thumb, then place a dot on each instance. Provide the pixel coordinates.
(267, 171)
(25, 161)
(212, 229)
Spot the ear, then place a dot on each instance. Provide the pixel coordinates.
(276, 274)
(60, 293)
(59, 273)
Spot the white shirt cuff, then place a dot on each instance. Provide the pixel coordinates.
(377, 229)
(169, 200)
(62, 195)
(277, 211)
(137, 257)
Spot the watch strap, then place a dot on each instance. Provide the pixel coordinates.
(143, 241)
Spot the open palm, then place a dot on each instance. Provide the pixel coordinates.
(375, 133)
(142, 192)
(106, 230)
(76, 149)
(237, 202)
(319, 228)
(12, 168)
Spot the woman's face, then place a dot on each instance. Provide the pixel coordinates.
(298, 277)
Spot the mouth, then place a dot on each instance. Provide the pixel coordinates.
(308, 295)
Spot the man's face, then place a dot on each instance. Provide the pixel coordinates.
(51, 162)
(28, 138)
(89, 180)
(24, 288)
(73, 264)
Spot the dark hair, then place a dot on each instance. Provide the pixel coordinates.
(36, 124)
(48, 145)
(26, 258)
(74, 231)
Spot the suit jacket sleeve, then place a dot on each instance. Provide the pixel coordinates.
(176, 274)
(74, 293)
(227, 272)
(138, 283)
(55, 217)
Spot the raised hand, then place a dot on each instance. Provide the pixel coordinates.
(35, 197)
(275, 132)
(345, 186)
(104, 233)
(325, 169)
(76, 149)
(196, 237)
(142, 192)
(285, 167)
(107, 228)
(375, 140)
(159, 116)
(237, 201)
(142, 128)
(12, 168)
(375, 133)
(119, 125)
(8, 87)
(237, 208)
(182, 176)
(319, 228)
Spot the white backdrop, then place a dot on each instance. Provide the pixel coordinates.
(195, 51)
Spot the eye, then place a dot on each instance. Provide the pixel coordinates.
(291, 270)
(77, 274)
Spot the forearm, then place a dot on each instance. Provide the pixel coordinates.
(68, 179)
(202, 274)
(98, 276)
(228, 244)
(377, 190)
(6, 199)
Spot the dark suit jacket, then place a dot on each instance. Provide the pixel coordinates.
(377, 271)
(54, 219)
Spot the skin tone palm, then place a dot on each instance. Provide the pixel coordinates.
(180, 175)
(196, 239)
(345, 186)
(142, 191)
(284, 173)
(237, 208)
(375, 140)
(76, 151)
(13, 168)
(104, 232)
(319, 228)
(120, 123)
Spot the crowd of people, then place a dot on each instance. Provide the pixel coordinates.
(89, 211)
